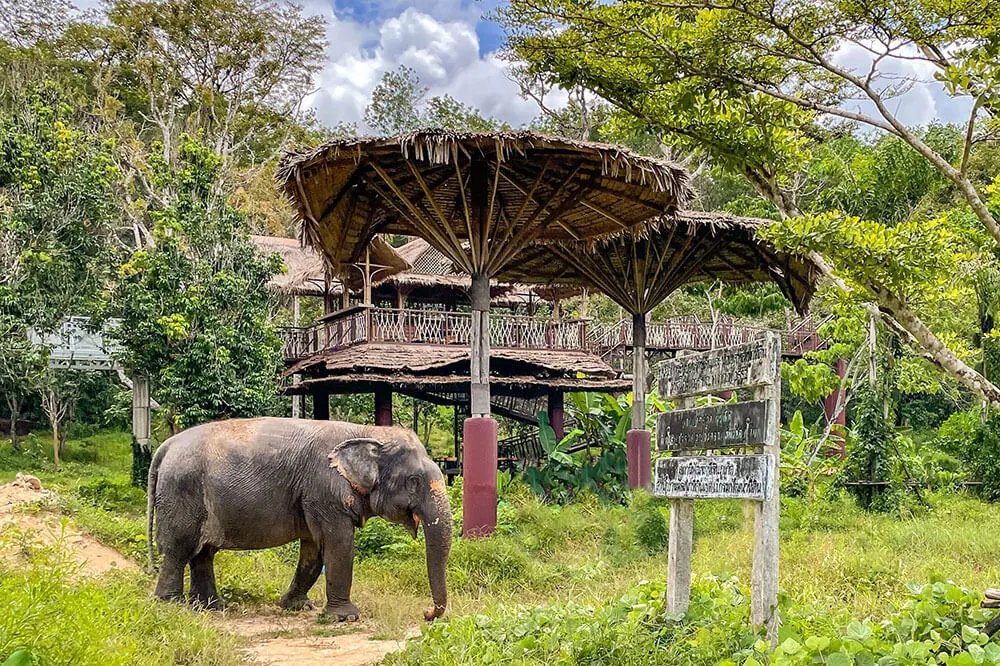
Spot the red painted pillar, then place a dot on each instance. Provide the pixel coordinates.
(839, 447)
(479, 472)
(556, 414)
(383, 406)
(637, 449)
(321, 406)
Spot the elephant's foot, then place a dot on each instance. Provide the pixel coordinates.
(344, 611)
(211, 602)
(296, 603)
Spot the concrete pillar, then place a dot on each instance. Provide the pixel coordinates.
(637, 440)
(479, 471)
(383, 406)
(140, 411)
(556, 414)
(321, 405)
(638, 453)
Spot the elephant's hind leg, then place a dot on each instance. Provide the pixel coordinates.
(203, 591)
(306, 574)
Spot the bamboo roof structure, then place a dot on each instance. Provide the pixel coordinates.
(307, 273)
(638, 271)
(479, 198)
(432, 277)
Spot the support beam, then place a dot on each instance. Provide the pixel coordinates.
(321, 405)
(556, 414)
(383, 406)
(479, 341)
(637, 440)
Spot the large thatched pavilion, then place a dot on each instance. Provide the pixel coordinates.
(492, 203)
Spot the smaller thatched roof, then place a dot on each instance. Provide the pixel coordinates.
(639, 271)
(306, 274)
(523, 386)
(437, 360)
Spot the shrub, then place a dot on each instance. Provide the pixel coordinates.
(377, 538)
(113, 495)
(652, 531)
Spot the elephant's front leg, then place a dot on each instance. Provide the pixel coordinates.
(306, 573)
(338, 556)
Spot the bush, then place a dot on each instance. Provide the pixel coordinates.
(112, 621)
(377, 538)
(936, 623)
(113, 495)
(652, 531)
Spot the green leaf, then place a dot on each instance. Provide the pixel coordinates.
(21, 657)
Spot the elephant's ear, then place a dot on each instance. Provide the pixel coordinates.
(357, 461)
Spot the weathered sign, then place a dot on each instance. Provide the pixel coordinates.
(714, 477)
(716, 427)
(749, 364)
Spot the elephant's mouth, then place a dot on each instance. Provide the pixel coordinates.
(411, 522)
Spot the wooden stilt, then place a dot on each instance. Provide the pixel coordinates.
(479, 340)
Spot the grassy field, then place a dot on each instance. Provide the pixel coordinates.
(836, 562)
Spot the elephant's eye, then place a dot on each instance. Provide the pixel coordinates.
(413, 483)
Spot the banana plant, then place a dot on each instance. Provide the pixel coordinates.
(798, 443)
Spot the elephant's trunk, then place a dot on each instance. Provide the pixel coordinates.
(437, 533)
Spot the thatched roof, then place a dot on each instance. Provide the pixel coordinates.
(306, 274)
(477, 197)
(639, 271)
(439, 360)
(517, 385)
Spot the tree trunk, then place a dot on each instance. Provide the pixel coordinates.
(14, 407)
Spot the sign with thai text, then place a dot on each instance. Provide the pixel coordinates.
(715, 427)
(740, 366)
(714, 477)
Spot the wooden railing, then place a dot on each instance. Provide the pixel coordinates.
(367, 324)
(690, 333)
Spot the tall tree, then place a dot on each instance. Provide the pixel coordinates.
(193, 307)
(745, 82)
(399, 104)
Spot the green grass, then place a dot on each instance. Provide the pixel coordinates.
(836, 561)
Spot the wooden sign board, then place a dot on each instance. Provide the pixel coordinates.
(755, 363)
(715, 427)
(715, 477)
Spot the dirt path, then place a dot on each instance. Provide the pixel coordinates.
(272, 638)
(280, 639)
(91, 557)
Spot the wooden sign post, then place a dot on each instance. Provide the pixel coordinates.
(684, 477)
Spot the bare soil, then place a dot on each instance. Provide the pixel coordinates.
(90, 557)
(277, 638)
(271, 638)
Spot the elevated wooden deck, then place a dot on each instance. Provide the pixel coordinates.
(359, 325)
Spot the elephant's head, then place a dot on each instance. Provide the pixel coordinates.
(403, 485)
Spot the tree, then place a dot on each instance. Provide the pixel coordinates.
(744, 82)
(58, 211)
(398, 105)
(193, 307)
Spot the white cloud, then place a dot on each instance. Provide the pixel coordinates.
(437, 39)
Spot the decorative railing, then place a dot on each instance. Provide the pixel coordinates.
(367, 324)
(690, 333)
(75, 345)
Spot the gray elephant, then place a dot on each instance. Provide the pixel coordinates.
(258, 483)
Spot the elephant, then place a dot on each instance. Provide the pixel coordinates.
(245, 484)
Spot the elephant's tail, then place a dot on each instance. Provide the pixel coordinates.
(154, 468)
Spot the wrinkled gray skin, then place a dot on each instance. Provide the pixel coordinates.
(258, 483)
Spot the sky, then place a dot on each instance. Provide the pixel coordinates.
(449, 44)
